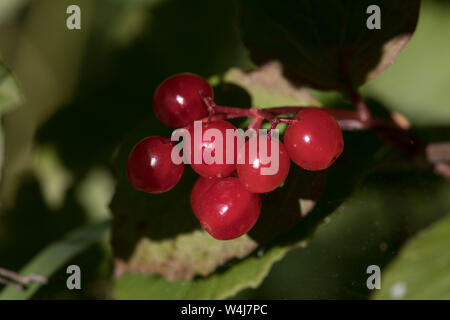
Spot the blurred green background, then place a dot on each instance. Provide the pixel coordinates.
(85, 90)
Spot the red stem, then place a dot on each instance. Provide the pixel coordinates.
(362, 110)
(233, 110)
(256, 123)
(220, 116)
(360, 105)
(360, 119)
(348, 119)
(338, 113)
(288, 121)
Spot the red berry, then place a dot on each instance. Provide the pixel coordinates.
(315, 141)
(150, 167)
(262, 171)
(226, 209)
(199, 190)
(212, 151)
(177, 101)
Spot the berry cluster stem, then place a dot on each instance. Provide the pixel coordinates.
(359, 119)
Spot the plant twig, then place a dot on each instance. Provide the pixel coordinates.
(402, 138)
(360, 105)
(255, 124)
(9, 276)
(11, 283)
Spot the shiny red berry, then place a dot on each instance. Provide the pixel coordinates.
(199, 190)
(315, 141)
(150, 167)
(264, 166)
(177, 101)
(225, 209)
(212, 148)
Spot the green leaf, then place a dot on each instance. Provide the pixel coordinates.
(422, 269)
(247, 274)
(326, 44)
(417, 84)
(9, 91)
(52, 258)
(268, 88)
(9, 99)
(10, 7)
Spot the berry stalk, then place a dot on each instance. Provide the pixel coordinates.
(348, 120)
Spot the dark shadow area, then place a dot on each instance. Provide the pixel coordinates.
(138, 215)
(232, 95)
(383, 213)
(38, 224)
(281, 208)
(325, 44)
(357, 160)
(31, 225)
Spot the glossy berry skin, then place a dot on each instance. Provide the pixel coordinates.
(315, 141)
(150, 167)
(177, 102)
(250, 165)
(199, 191)
(210, 146)
(225, 209)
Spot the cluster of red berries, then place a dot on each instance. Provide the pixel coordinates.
(225, 198)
